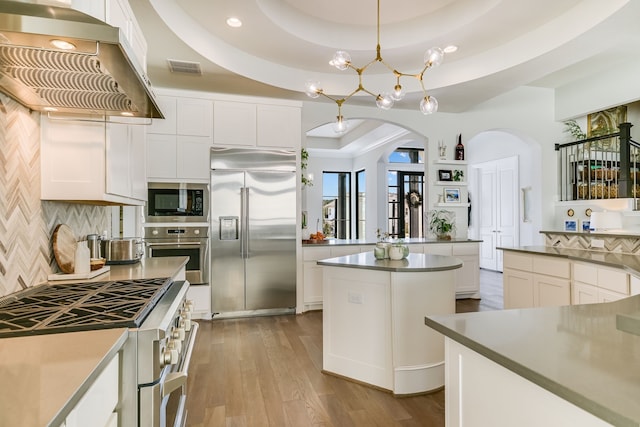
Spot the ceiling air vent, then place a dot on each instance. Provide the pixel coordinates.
(187, 67)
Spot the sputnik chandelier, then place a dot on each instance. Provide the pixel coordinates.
(342, 61)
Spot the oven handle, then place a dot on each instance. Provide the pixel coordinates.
(174, 244)
(175, 380)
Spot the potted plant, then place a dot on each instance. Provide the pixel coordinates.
(442, 223)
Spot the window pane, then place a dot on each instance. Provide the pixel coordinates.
(361, 205)
(336, 204)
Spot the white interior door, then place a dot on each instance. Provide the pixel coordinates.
(497, 209)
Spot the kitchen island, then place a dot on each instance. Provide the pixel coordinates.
(373, 314)
(571, 365)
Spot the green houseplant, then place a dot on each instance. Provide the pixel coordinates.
(442, 223)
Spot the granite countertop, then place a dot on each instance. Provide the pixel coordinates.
(147, 268)
(412, 264)
(576, 352)
(411, 241)
(45, 375)
(627, 262)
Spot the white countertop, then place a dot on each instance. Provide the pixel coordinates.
(147, 268)
(413, 263)
(43, 376)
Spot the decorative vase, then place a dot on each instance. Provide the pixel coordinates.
(385, 247)
(379, 252)
(396, 253)
(444, 236)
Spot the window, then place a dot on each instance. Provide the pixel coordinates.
(336, 205)
(361, 189)
(407, 155)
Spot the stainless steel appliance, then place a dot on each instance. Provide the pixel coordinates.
(181, 240)
(127, 250)
(99, 75)
(156, 355)
(177, 202)
(253, 231)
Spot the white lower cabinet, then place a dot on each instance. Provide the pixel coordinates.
(97, 407)
(312, 272)
(535, 281)
(531, 280)
(593, 284)
(200, 295)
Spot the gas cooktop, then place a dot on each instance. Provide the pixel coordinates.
(83, 306)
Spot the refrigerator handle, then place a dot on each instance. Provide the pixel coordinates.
(244, 211)
(247, 210)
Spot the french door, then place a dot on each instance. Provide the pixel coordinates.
(405, 204)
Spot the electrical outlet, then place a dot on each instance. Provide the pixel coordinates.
(597, 243)
(355, 298)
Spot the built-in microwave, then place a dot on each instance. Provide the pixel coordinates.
(177, 202)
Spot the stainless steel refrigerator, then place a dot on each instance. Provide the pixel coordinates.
(253, 230)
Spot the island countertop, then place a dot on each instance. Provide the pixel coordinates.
(580, 353)
(627, 262)
(413, 262)
(410, 241)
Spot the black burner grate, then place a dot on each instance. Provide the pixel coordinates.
(82, 306)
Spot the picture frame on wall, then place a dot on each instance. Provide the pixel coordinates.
(452, 195)
(585, 225)
(571, 225)
(445, 175)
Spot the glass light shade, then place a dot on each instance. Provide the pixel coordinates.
(429, 105)
(341, 60)
(434, 56)
(397, 93)
(312, 89)
(340, 125)
(384, 101)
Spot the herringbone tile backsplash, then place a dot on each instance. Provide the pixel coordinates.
(26, 222)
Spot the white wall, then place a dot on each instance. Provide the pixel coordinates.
(525, 112)
(500, 144)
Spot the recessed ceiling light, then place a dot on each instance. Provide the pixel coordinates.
(61, 44)
(234, 22)
(450, 49)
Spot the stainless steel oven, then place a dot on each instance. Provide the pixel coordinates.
(181, 240)
(177, 202)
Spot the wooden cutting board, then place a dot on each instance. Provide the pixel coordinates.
(64, 248)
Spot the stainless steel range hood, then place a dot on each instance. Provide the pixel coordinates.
(100, 76)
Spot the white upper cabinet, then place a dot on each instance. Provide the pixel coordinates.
(118, 13)
(234, 123)
(93, 162)
(168, 106)
(256, 125)
(194, 117)
(178, 146)
(279, 126)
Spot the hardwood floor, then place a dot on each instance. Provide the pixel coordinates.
(266, 371)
